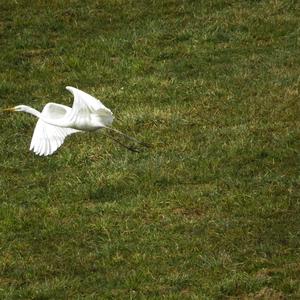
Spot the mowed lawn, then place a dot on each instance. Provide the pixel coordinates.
(212, 209)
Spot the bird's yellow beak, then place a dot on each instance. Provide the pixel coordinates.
(9, 109)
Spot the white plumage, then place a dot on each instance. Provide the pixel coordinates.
(57, 121)
(48, 138)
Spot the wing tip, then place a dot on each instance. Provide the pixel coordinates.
(70, 88)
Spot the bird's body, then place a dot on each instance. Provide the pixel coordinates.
(57, 121)
(87, 113)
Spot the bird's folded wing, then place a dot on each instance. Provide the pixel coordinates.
(48, 138)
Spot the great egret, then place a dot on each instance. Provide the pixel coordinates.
(57, 121)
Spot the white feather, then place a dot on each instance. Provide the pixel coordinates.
(47, 138)
(57, 121)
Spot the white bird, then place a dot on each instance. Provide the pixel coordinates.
(57, 121)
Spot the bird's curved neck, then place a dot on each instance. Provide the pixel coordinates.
(39, 115)
(32, 111)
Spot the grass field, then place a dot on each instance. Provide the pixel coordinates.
(212, 210)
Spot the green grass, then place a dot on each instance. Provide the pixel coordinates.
(212, 210)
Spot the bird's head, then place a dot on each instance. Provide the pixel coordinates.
(15, 108)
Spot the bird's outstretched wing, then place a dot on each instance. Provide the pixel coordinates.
(86, 107)
(48, 138)
(84, 102)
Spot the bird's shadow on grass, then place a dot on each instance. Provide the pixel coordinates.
(113, 192)
(125, 190)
